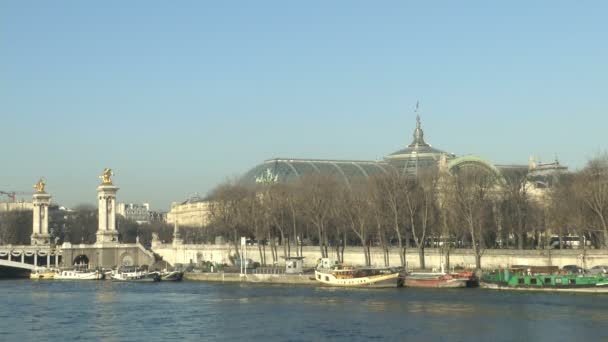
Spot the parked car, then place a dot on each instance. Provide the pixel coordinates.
(598, 269)
(573, 269)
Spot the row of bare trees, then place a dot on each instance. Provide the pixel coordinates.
(471, 208)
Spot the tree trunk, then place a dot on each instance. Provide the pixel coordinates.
(421, 256)
(236, 244)
(320, 233)
(477, 260)
(343, 247)
(261, 254)
(284, 245)
(475, 245)
(447, 257)
(401, 249)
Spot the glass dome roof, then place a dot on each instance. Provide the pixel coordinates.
(289, 170)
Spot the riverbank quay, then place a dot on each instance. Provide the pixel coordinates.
(224, 277)
(434, 257)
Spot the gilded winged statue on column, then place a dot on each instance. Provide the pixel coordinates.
(40, 185)
(106, 176)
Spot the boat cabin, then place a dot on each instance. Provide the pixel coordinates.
(328, 263)
(294, 265)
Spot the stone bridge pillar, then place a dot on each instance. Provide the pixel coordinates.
(40, 224)
(106, 196)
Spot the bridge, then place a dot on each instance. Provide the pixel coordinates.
(29, 257)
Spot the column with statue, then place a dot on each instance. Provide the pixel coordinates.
(40, 224)
(177, 239)
(106, 197)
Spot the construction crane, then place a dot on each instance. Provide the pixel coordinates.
(12, 195)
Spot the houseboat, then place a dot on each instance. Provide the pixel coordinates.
(332, 273)
(440, 280)
(79, 275)
(134, 274)
(529, 280)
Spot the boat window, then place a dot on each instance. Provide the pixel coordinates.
(533, 281)
(558, 280)
(319, 276)
(547, 280)
(520, 281)
(326, 278)
(571, 281)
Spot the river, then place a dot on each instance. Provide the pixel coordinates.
(196, 311)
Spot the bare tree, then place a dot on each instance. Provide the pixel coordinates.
(227, 207)
(355, 203)
(424, 212)
(380, 216)
(447, 209)
(516, 204)
(472, 194)
(82, 224)
(394, 187)
(15, 227)
(591, 188)
(317, 198)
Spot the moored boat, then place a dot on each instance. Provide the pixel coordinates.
(171, 276)
(440, 280)
(135, 275)
(527, 280)
(79, 275)
(42, 274)
(333, 274)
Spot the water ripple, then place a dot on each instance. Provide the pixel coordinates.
(190, 311)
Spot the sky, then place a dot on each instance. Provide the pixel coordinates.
(179, 96)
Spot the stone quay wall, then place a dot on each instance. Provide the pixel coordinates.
(107, 255)
(491, 258)
(293, 279)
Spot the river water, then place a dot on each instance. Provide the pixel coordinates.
(196, 311)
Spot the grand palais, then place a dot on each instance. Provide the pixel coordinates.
(409, 160)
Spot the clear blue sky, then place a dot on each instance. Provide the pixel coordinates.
(178, 96)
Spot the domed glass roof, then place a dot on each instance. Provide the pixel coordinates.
(410, 160)
(416, 155)
(288, 170)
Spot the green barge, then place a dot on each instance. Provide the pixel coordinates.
(528, 280)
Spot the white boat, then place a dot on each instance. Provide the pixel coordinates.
(79, 275)
(333, 274)
(135, 275)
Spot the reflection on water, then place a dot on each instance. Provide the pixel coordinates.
(440, 309)
(190, 311)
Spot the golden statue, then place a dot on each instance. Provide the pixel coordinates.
(106, 176)
(40, 186)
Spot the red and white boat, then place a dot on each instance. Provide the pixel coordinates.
(440, 280)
